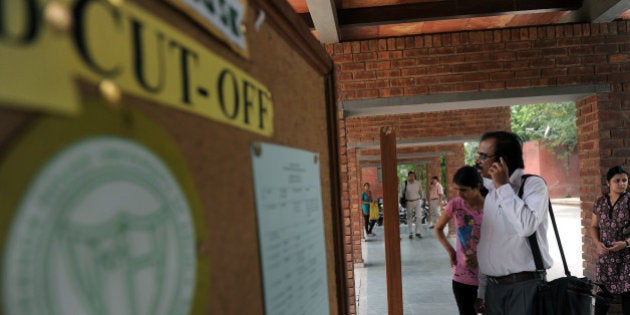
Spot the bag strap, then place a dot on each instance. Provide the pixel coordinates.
(533, 241)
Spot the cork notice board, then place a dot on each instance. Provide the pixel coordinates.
(153, 94)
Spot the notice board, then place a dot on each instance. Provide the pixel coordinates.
(154, 78)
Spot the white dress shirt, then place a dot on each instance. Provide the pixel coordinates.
(508, 220)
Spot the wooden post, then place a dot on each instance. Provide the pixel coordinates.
(391, 223)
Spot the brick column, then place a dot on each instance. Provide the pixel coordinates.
(602, 143)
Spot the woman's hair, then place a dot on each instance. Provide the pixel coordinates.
(468, 176)
(614, 171)
(366, 184)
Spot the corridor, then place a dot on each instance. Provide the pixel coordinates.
(427, 274)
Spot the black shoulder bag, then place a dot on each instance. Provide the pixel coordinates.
(566, 295)
(403, 199)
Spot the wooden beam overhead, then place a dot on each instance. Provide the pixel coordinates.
(443, 10)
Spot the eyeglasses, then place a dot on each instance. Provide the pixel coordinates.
(482, 157)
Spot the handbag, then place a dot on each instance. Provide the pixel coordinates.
(403, 200)
(568, 295)
(374, 215)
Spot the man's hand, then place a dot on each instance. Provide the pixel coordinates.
(480, 306)
(499, 173)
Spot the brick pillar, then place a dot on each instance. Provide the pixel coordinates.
(453, 162)
(587, 123)
(369, 174)
(433, 169)
(344, 177)
(356, 217)
(602, 142)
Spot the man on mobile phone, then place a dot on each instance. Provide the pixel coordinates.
(508, 278)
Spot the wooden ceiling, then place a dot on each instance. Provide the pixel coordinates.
(335, 21)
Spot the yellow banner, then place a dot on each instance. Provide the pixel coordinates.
(147, 58)
(34, 61)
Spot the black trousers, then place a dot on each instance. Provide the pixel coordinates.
(602, 308)
(369, 225)
(511, 299)
(465, 296)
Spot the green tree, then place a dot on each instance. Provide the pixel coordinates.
(470, 150)
(551, 123)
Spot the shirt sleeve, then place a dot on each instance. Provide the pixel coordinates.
(449, 207)
(525, 214)
(597, 207)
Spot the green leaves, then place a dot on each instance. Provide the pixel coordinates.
(551, 123)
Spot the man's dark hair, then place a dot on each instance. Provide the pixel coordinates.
(411, 172)
(508, 146)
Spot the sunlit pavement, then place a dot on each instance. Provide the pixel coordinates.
(427, 274)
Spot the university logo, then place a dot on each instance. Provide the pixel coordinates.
(103, 229)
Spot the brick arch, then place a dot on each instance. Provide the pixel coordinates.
(484, 63)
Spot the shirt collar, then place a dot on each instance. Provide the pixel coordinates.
(514, 180)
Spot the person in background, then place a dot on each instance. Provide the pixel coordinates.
(508, 278)
(412, 189)
(611, 213)
(467, 210)
(366, 199)
(436, 192)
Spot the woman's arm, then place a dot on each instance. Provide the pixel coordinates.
(439, 233)
(593, 231)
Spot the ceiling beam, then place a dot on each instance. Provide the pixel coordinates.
(598, 11)
(407, 156)
(442, 10)
(323, 14)
(468, 100)
(418, 142)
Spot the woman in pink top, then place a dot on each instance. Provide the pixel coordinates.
(467, 210)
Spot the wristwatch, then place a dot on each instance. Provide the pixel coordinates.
(627, 244)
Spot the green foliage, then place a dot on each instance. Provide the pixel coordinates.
(551, 123)
(420, 170)
(470, 149)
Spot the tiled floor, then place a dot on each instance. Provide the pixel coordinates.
(425, 270)
(427, 274)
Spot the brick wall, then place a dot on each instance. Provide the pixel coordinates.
(481, 61)
(590, 174)
(562, 176)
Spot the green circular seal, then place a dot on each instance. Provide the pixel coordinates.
(99, 215)
(103, 229)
